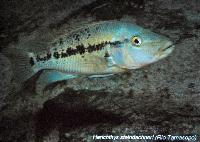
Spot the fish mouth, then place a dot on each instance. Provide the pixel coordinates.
(168, 48)
(163, 52)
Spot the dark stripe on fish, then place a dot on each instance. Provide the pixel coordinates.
(80, 49)
(38, 58)
(92, 48)
(56, 55)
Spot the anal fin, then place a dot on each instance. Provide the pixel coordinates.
(49, 77)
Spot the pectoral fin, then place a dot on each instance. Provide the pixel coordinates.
(93, 64)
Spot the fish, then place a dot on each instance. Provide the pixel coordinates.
(95, 49)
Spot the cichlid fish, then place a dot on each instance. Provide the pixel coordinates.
(96, 49)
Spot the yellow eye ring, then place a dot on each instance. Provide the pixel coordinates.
(136, 40)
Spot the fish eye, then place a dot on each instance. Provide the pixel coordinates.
(136, 40)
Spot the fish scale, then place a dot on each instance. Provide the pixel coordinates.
(86, 42)
(71, 43)
(100, 48)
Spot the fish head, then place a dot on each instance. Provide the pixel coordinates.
(140, 47)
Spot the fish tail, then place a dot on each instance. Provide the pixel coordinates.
(20, 63)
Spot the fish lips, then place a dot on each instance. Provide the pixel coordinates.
(164, 52)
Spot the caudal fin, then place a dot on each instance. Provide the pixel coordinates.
(20, 62)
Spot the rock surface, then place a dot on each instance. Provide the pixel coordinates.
(162, 98)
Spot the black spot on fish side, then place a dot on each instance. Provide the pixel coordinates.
(63, 55)
(37, 58)
(56, 55)
(106, 55)
(71, 51)
(44, 58)
(80, 49)
(88, 36)
(100, 46)
(76, 37)
(31, 61)
(91, 48)
(87, 30)
(107, 42)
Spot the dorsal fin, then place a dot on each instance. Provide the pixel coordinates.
(127, 18)
(35, 42)
(41, 40)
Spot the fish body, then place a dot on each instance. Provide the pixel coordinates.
(83, 51)
(100, 48)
